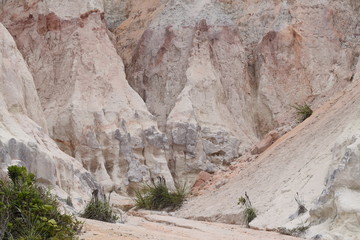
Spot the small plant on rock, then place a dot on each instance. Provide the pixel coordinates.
(303, 111)
(250, 212)
(99, 209)
(301, 206)
(158, 197)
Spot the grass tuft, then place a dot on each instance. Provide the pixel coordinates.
(99, 210)
(158, 197)
(250, 212)
(303, 111)
(301, 206)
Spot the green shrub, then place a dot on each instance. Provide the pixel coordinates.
(99, 210)
(158, 197)
(303, 111)
(250, 212)
(29, 212)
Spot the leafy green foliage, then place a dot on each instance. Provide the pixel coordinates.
(250, 212)
(99, 210)
(303, 111)
(158, 197)
(28, 212)
(241, 201)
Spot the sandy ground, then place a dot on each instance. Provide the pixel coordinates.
(157, 227)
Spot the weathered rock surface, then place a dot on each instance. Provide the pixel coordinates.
(91, 111)
(265, 143)
(339, 200)
(117, 11)
(128, 33)
(211, 79)
(319, 159)
(173, 64)
(23, 133)
(218, 75)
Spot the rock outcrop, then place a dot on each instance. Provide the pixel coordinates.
(219, 75)
(186, 86)
(319, 159)
(91, 111)
(339, 200)
(117, 11)
(23, 133)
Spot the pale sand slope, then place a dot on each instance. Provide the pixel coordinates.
(319, 159)
(167, 227)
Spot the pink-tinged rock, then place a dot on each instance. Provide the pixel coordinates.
(91, 111)
(266, 142)
(219, 75)
(23, 134)
(201, 180)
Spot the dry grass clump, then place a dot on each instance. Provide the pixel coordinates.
(99, 209)
(158, 197)
(303, 111)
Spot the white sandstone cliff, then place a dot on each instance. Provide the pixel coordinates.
(23, 134)
(91, 111)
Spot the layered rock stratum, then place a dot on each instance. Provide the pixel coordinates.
(92, 112)
(229, 71)
(24, 140)
(113, 94)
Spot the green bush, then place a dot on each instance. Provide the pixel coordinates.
(250, 212)
(99, 210)
(303, 111)
(158, 197)
(28, 212)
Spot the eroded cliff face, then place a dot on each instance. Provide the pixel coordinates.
(91, 111)
(219, 75)
(205, 81)
(319, 160)
(23, 130)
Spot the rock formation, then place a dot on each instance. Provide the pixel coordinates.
(91, 111)
(318, 159)
(219, 75)
(182, 87)
(117, 11)
(23, 133)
